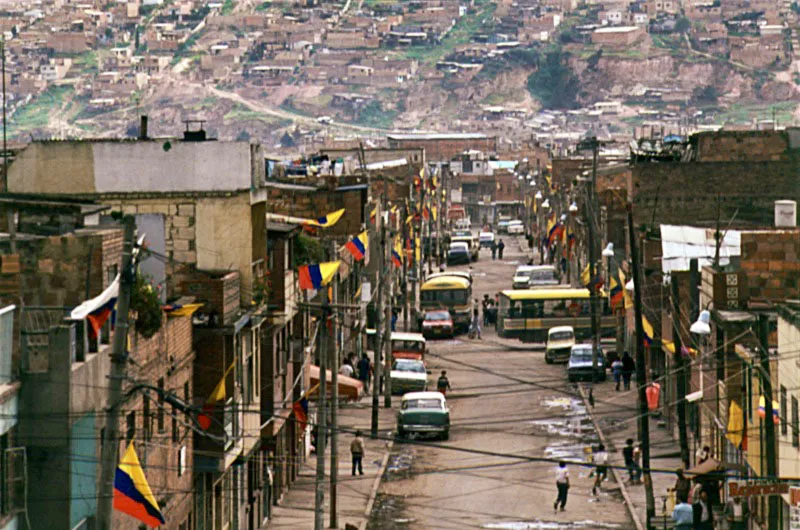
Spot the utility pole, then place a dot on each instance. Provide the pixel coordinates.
(641, 374)
(376, 384)
(680, 372)
(771, 449)
(333, 349)
(322, 421)
(404, 282)
(591, 210)
(387, 334)
(119, 362)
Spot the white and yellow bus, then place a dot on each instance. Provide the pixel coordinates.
(451, 292)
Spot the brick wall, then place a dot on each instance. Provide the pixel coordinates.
(167, 356)
(443, 150)
(770, 262)
(694, 191)
(753, 146)
(218, 290)
(319, 203)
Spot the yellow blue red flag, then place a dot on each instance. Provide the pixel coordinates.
(315, 276)
(358, 246)
(326, 220)
(132, 493)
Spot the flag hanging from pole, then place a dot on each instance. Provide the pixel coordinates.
(132, 494)
(326, 221)
(358, 246)
(315, 276)
(99, 309)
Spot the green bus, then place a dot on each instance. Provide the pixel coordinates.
(528, 314)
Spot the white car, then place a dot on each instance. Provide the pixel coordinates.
(409, 375)
(522, 276)
(515, 227)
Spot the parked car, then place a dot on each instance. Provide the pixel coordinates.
(458, 254)
(580, 363)
(522, 276)
(486, 239)
(543, 276)
(423, 413)
(472, 244)
(437, 324)
(409, 375)
(560, 341)
(502, 224)
(515, 227)
(407, 345)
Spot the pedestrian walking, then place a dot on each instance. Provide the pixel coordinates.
(500, 247)
(628, 367)
(703, 516)
(394, 320)
(601, 468)
(484, 306)
(443, 383)
(682, 485)
(364, 371)
(616, 371)
(737, 513)
(357, 452)
(629, 453)
(494, 249)
(683, 515)
(346, 369)
(475, 327)
(562, 486)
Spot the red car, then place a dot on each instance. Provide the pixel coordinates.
(437, 324)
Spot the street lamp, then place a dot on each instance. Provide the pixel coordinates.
(701, 325)
(538, 196)
(546, 204)
(573, 208)
(608, 252)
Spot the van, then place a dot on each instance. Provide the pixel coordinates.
(458, 254)
(486, 239)
(472, 245)
(560, 341)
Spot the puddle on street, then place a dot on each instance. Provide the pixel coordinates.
(548, 525)
(574, 429)
(387, 513)
(400, 461)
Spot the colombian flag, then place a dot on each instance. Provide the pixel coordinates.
(358, 246)
(219, 394)
(99, 309)
(326, 220)
(762, 410)
(132, 493)
(373, 215)
(397, 250)
(647, 328)
(617, 293)
(555, 231)
(178, 310)
(315, 276)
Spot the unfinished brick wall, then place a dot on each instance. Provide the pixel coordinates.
(673, 192)
(219, 291)
(179, 223)
(443, 150)
(165, 357)
(752, 146)
(319, 203)
(770, 262)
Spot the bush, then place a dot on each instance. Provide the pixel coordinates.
(554, 83)
(146, 303)
(308, 250)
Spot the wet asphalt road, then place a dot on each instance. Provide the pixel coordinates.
(505, 401)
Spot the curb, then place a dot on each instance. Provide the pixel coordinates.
(373, 493)
(631, 508)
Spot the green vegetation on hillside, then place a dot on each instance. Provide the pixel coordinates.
(36, 114)
(374, 115)
(747, 112)
(554, 83)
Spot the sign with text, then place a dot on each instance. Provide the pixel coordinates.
(736, 489)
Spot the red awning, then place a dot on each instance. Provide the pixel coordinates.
(349, 388)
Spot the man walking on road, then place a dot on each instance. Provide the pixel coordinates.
(562, 485)
(494, 249)
(500, 247)
(443, 384)
(357, 451)
(629, 453)
(364, 371)
(601, 469)
(683, 515)
(628, 367)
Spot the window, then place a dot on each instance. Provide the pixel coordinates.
(181, 461)
(146, 417)
(250, 380)
(186, 392)
(784, 425)
(795, 422)
(131, 423)
(160, 411)
(175, 430)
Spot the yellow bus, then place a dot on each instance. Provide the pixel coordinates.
(528, 314)
(451, 292)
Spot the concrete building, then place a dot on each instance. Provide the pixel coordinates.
(12, 473)
(617, 35)
(788, 391)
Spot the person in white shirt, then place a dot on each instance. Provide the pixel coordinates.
(601, 469)
(346, 369)
(562, 485)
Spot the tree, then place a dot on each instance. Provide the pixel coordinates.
(682, 25)
(554, 83)
(705, 95)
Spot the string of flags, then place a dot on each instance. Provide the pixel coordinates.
(326, 221)
(315, 276)
(358, 246)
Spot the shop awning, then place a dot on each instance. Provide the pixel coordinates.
(707, 467)
(349, 388)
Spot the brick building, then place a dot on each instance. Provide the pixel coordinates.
(443, 147)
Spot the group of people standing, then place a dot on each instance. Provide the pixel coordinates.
(623, 370)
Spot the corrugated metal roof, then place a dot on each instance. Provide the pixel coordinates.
(680, 244)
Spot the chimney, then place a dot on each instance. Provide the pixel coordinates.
(143, 128)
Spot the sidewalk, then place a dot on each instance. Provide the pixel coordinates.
(615, 418)
(355, 494)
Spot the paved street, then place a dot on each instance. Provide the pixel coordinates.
(505, 401)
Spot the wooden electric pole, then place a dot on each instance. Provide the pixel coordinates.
(322, 422)
(680, 372)
(333, 350)
(376, 362)
(119, 362)
(771, 448)
(641, 374)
